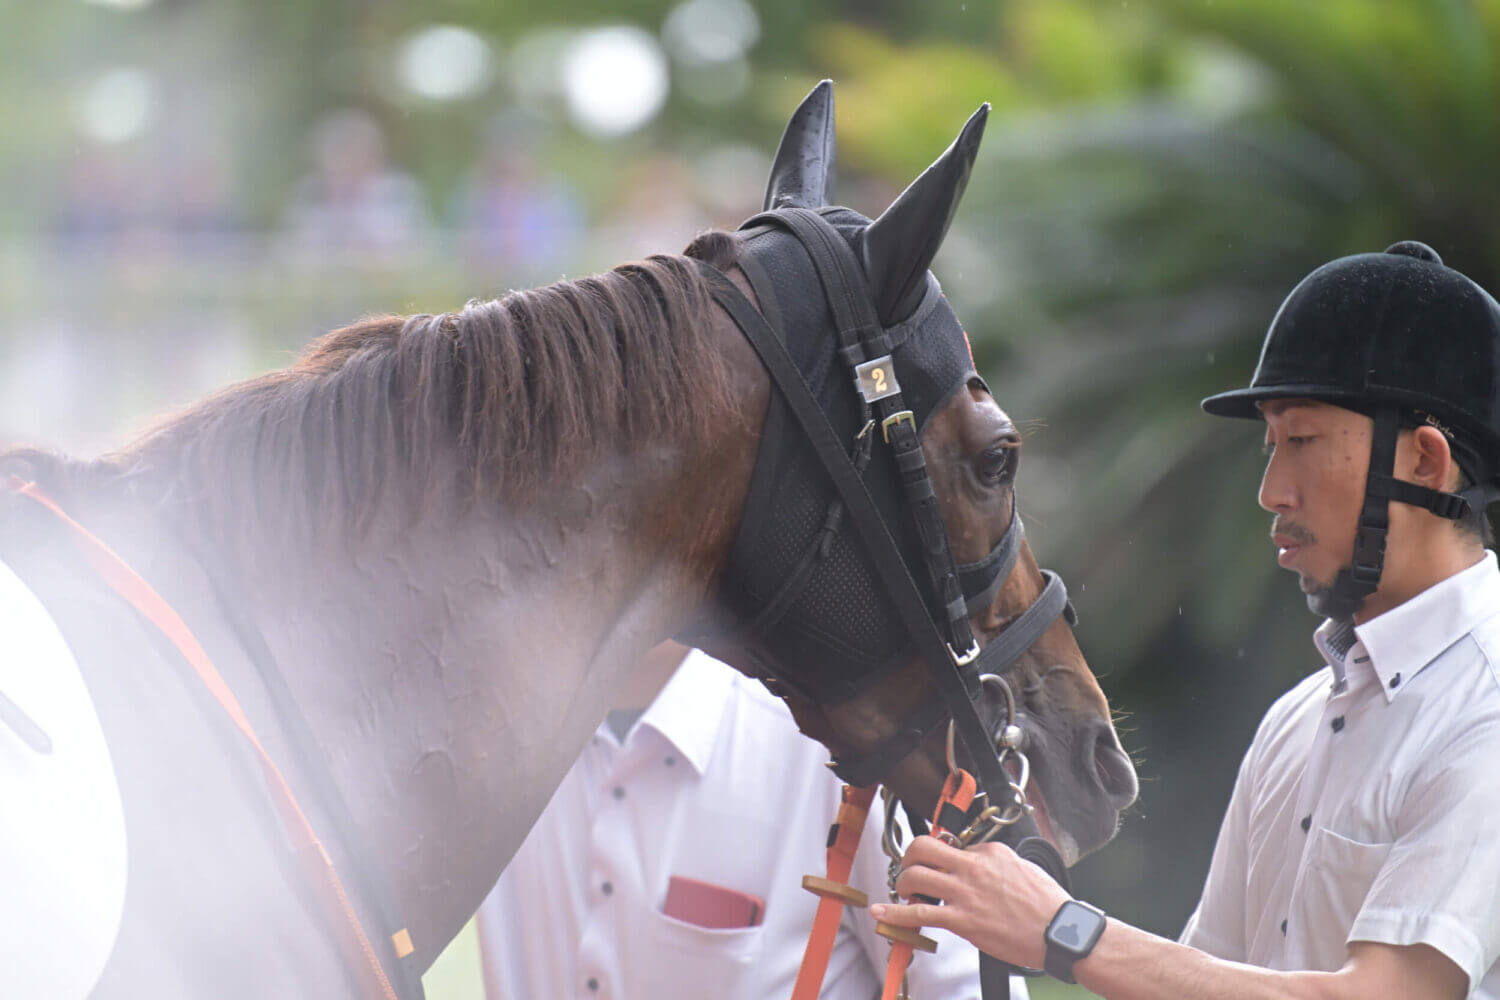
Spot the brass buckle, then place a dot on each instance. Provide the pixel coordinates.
(901, 416)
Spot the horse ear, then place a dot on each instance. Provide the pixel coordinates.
(899, 246)
(802, 173)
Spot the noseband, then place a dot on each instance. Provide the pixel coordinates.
(935, 622)
(980, 582)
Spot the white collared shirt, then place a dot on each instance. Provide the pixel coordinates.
(713, 783)
(1368, 805)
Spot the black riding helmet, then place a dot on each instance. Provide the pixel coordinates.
(1404, 339)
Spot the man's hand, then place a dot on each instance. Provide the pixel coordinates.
(1003, 905)
(998, 901)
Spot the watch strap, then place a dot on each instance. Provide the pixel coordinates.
(1059, 964)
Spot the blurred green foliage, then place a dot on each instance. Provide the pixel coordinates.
(1157, 174)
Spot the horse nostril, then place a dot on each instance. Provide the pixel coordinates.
(1112, 768)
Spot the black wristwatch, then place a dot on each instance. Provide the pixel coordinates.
(1074, 931)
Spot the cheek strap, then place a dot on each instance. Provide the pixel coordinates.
(981, 581)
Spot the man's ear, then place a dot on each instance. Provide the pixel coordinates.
(1435, 467)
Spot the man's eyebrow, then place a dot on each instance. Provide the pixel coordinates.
(1284, 404)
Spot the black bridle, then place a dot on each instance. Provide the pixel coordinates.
(947, 645)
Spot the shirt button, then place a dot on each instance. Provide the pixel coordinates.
(1337, 724)
(1396, 681)
(1283, 928)
(670, 761)
(593, 985)
(1306, 823)
(619, 791)
(607, 888)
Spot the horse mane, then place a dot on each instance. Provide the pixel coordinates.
(496, 400)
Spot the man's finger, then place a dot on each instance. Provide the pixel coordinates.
(928, 882)
(911, 914)
(933, 853)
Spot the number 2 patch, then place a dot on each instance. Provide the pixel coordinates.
(877, 379)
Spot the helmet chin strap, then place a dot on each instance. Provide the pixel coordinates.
(1361, 577)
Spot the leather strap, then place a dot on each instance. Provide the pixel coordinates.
(1019, 636)
(318, 867)
(1453, 506)
(855, 319)
(1361, 577)
(981, 581)
(996, 658)
(843, 842)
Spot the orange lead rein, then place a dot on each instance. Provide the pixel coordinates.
(958, 791)
(834, 892)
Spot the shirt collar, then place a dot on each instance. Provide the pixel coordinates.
(1334, 640)
(688, 712)
(1398, 644)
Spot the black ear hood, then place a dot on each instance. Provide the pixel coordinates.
(840, 631)
(895, 252)
(898, 248)
(842, 518)
(929, 345)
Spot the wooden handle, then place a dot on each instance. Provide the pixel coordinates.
(906, 936)
(825, 887)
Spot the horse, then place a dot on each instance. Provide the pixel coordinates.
(425, 557)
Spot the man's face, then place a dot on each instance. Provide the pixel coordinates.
(1314, 483)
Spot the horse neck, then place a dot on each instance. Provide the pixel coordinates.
(453, 669)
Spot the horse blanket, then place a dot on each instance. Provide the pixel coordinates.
(141, 856)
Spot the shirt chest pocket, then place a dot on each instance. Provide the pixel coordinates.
(715, 960)
(1336, 881)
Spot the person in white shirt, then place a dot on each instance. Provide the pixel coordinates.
(712, 783)
(1358, 856)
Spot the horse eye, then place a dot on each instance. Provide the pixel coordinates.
(997, 465)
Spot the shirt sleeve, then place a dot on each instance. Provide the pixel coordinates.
(951, 972)
(1440, 883)
(1217, 926)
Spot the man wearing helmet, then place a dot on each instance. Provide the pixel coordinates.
(1358, 855)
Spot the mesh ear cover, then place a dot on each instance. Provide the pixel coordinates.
(842, 632)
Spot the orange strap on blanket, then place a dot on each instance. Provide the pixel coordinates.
(833, 891)
(319, 867)
(958, 790)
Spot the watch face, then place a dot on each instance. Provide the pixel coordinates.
(1076, 927)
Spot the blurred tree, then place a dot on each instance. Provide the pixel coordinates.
(1117, 262)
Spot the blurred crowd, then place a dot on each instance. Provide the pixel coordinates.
(150, 265)
(354, 206)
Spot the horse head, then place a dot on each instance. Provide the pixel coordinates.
(810, 599)
(434, 548)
